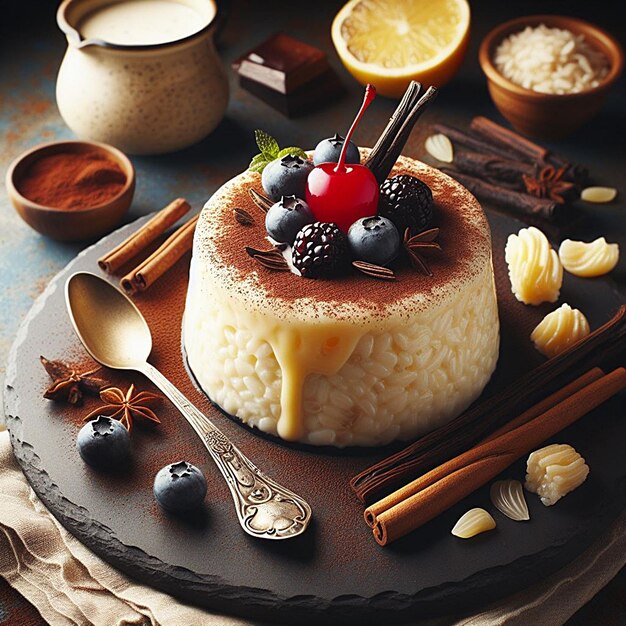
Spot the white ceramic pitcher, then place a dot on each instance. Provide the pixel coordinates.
(142, 98)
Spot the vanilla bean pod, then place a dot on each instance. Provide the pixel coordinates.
(399, 140)
(598, 348)
(409, 100)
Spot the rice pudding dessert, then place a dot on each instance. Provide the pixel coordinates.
(350, 360)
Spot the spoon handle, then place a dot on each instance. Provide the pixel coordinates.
(264, 508)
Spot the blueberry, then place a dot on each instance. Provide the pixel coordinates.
(328, 151)
(374, 239)
(104, 443)
(179, 487)
(286, 176)
(285, 218)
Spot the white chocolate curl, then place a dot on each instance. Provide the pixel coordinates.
(589, 259)
(554, 471)
(534, 268)
(440, 147)
(508, 497)
(474, 522)
(558, 330)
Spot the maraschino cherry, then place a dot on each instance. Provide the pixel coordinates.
(343, 193)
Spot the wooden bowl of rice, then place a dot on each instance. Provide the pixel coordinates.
(549, 74)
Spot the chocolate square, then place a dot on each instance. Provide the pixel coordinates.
(325, 89)
(282, 63)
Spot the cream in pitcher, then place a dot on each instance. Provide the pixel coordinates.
(142, 75)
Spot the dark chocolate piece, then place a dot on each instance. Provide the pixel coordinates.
(282, 63)
(325, 89)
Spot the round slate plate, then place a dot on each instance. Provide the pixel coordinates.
(335, 571)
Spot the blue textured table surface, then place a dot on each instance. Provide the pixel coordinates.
(31, 52)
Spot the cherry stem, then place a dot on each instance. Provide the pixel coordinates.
(370, 94)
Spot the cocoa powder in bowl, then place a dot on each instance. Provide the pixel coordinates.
(72, 180)
(71, 190)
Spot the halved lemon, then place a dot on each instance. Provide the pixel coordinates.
(390, 42)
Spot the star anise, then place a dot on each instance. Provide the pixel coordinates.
(417, 244)
(68, 384)
(549, 183)
(127, 406)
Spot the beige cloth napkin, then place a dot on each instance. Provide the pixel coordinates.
(70, 586)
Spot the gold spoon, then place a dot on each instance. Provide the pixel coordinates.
(116, 335)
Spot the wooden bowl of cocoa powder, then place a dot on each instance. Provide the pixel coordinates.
(72, 190)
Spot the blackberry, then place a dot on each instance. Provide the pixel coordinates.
(320, 250)
(407, 202)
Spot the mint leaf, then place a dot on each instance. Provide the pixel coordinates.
(267, 144)
(259, 158)
(295, 151)
(270, 150)
(258, 168)
(258, 163)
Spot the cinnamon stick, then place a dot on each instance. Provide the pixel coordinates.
(505, 137)
(428, 496)
(493, 168)
(552, 400)
(600, 346)
(144, 236)
(161, 260)
(521, 203)
(494, 133)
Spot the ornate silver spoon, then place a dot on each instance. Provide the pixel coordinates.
(116, 335)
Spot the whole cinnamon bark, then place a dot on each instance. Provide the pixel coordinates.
(142, 238)
(161, 260)
(509, 145)
(505, 137)
(521, 203)
(493, 168)
(599, 347)
(494, 133)
(428, 496)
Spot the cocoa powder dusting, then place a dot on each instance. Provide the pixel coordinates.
(174, 440)
(338, 525)
(464, 239)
